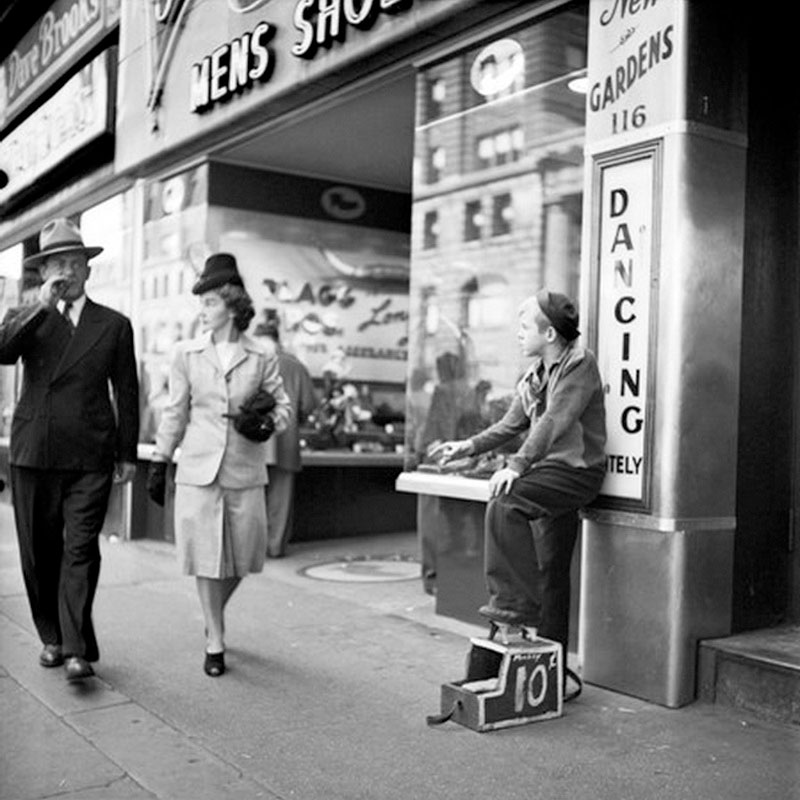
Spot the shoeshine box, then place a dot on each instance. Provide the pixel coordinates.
(507, 683)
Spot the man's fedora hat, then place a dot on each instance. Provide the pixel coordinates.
(219, 269)
(561, 312)
(60, 236)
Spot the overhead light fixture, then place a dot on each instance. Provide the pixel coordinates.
(579, 85)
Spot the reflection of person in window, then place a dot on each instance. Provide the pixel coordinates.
(454, 412)
(418, 401)
(454, 406)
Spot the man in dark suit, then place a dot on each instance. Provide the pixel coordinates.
(70, 440)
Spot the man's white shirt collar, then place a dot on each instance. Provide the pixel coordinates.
(75, 311)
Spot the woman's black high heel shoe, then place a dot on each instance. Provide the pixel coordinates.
(214, 665)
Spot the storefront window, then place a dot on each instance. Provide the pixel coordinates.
(499, 218)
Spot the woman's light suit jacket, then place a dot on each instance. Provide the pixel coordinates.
(201, 392)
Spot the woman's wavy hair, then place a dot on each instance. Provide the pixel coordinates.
(239, 301)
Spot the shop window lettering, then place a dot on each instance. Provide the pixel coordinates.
(232, 68)
(323, 22)
(380, 315)
(325, 295)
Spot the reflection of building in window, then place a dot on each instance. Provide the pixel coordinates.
(562, 229)
(574, 56)
(473, 220)
(436, 163)
(509, 202)
(485, 300)
(434, 97)
(502, 214)
(431, 230)
(501, 147)
(430, 312)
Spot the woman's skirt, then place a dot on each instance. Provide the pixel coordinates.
(220, 533)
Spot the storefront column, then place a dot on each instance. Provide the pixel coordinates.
(663, 245)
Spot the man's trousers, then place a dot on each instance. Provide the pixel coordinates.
(530, 535)
(59, 515)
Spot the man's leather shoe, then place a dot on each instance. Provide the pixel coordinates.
(78, 668)
(51, 656)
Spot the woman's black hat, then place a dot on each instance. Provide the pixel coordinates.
(219, 269)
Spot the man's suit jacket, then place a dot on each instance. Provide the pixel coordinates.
(66, 417)
(201, 393)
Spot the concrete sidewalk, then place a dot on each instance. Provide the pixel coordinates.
(326, 696)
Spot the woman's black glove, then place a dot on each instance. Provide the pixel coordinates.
(254, 426)
(261, 402)
(253, 420)
(157, 481)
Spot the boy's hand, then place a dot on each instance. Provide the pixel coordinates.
(448, 451)
(502, 481)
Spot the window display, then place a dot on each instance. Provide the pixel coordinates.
(323, 266)
(496, 216)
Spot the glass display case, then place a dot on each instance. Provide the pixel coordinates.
(496, 215)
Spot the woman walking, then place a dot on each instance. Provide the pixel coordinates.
(226, 397)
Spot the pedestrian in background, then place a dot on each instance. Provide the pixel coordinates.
(220, 507)
(69, 442)
(286, 461)
(531, 518)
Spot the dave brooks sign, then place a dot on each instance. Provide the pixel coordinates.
(66, 32)
(625, 255)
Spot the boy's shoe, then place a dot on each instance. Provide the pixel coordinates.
(505, 616)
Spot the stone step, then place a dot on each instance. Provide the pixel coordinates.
(757, 671)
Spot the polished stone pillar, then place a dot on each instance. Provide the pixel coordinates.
(662, 285)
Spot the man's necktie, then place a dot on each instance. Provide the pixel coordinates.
(67, 316)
